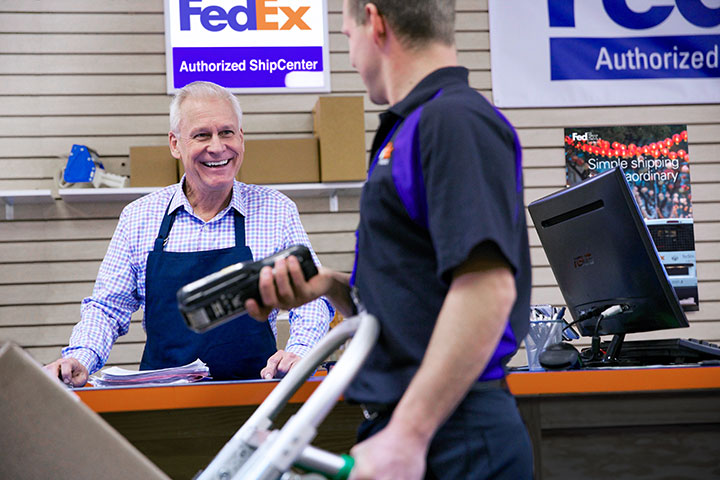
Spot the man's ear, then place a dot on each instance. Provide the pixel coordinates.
(377, 23)
(242, 139)
(173, 141)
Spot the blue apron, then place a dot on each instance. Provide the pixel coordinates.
(237, 350)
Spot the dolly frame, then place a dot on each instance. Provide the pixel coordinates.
(257, 453)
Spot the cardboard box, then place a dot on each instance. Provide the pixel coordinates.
(47, 432)
(339, 125)
(152, 167)
(278, 160)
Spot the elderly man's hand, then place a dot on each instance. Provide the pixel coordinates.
(69, 370)
(279, 364)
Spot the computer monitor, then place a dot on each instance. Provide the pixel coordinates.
(605, 261)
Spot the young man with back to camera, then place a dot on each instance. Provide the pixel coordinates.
(442, 259)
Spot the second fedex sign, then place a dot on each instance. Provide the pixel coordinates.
(596, 52)
(248, 45)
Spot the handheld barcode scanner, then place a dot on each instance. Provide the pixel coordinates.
(220, 296)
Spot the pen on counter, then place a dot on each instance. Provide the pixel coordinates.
(568, 332)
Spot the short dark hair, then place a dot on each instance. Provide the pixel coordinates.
(416, 22)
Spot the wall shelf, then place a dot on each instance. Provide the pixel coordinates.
(10, 198)
(330, 189)
(104, 194)
(23, 197)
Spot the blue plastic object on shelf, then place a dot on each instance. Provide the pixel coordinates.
(81, 165)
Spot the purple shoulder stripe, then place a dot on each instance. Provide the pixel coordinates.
(518, 161)
(407, 167)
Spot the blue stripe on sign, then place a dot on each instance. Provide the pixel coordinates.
(693, 56)
(243, 67)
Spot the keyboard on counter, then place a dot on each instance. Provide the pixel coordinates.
(670, 351)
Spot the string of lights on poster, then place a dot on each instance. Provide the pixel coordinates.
(656, 163)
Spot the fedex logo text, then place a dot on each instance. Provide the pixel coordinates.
(562, 13)
(583, 260)
(587, 136)
(252, 16)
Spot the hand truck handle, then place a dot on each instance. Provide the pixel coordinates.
(238, 459)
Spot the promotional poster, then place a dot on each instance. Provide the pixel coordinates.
(656, 163)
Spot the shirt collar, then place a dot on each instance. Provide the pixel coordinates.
(427, 87)
(237, 202)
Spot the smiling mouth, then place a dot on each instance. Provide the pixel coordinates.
(216, 164)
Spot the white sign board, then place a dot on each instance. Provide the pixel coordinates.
(552, 53)
(248, 46)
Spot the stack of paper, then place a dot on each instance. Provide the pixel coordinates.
(115, 376)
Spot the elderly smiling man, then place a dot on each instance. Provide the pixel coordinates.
(182, 233)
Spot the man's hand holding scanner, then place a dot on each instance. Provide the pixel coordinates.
(284, 286)
(69, 371)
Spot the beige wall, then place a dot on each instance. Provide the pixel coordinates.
(92, 72)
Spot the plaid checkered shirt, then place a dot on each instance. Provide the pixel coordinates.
(272, 223)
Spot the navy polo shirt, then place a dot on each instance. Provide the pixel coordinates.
(445, 176)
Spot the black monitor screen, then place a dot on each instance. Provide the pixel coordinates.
(602, 256)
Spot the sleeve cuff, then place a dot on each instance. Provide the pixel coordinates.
(85, 356)
(298, 349)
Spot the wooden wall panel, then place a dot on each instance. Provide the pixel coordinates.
(90, 22)
(66, 6)
(100, 43)
(44, 314)
(67, 126)
(123, 354)
(93, 73)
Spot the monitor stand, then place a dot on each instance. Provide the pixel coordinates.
(594, 357)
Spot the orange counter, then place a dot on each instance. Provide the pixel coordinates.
(619, 380)
(588, 424)
(228, 394)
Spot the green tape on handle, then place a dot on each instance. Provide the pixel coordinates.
(344, 472)
(341, 474)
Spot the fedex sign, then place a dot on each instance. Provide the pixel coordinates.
(605, 52)
(252, 16)
(257, 46)
(562, 13)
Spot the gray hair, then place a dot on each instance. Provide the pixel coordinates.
(416, 22)
(201, 90)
